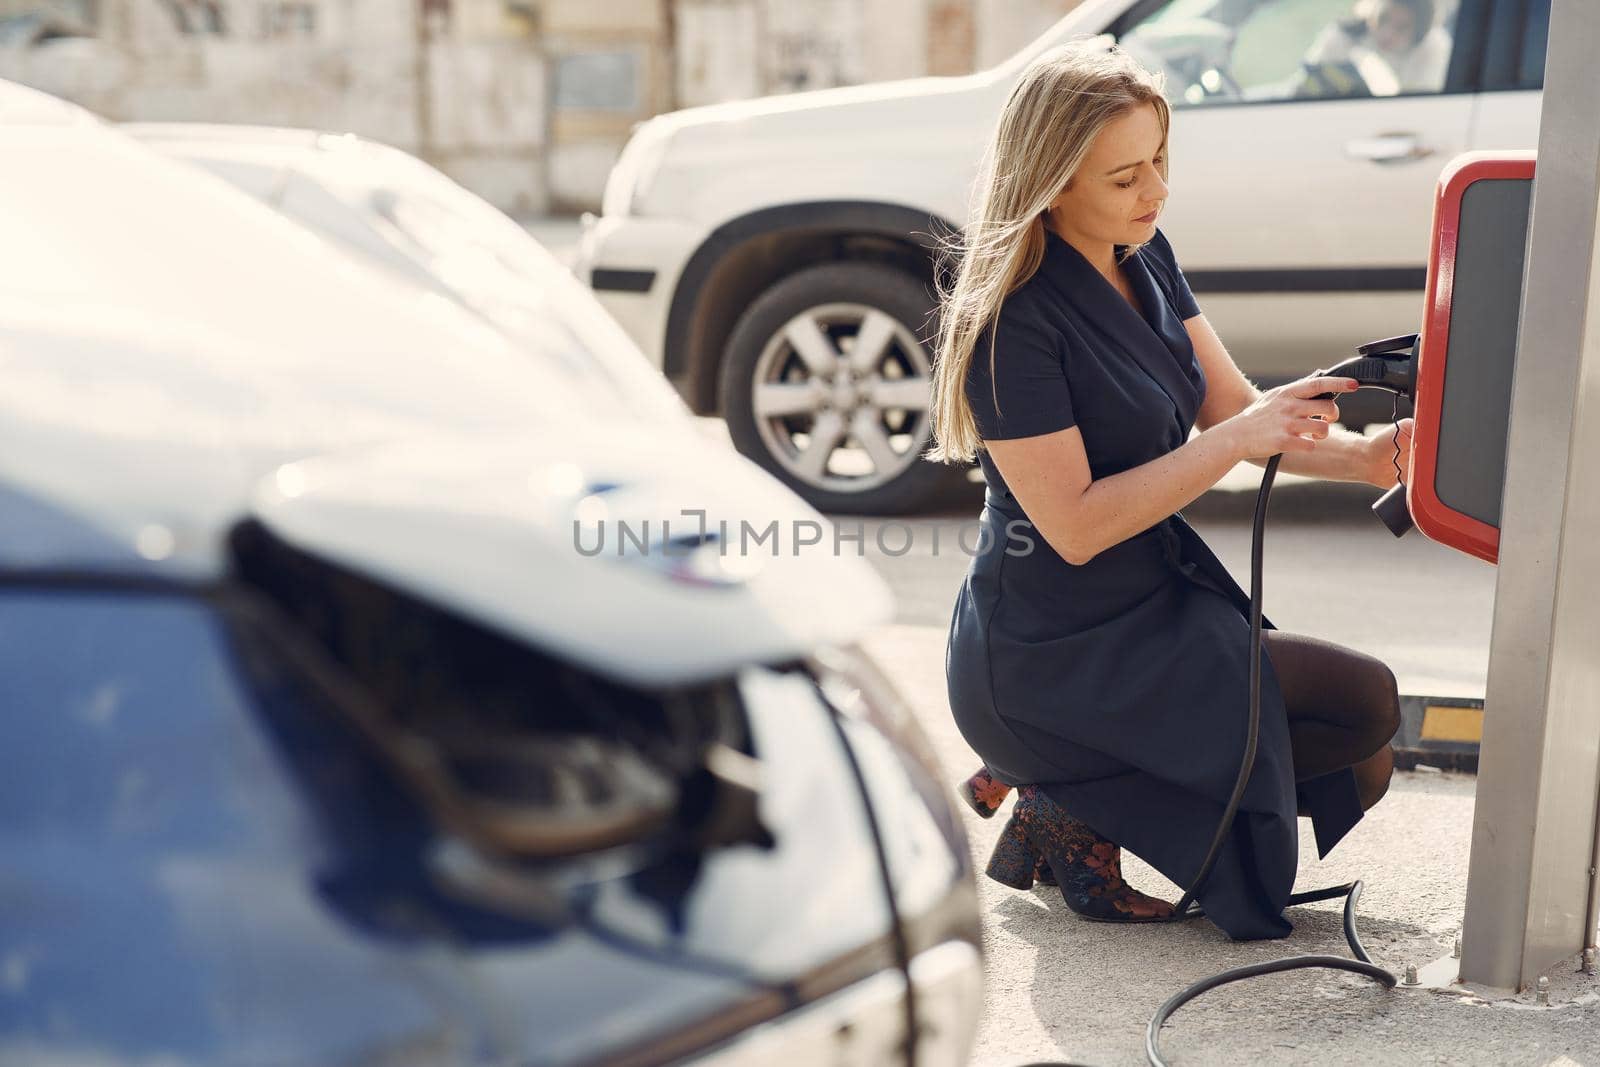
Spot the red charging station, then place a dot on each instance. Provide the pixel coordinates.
(1467, 351)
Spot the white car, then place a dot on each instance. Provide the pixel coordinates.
(335, 732)
(773, 256)
(395, 212)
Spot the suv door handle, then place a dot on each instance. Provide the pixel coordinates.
(1388, 148)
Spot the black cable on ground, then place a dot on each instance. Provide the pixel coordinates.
(1361, 965)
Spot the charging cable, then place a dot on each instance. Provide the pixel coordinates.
(1362, 963)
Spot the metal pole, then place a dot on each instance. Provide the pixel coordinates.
(1533, 832)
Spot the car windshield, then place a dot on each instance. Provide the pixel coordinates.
(495, 267)
(1215, 51)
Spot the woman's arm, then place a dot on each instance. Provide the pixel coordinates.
(1081, 516)
(1343, 456)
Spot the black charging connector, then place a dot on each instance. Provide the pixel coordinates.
(1389, 364)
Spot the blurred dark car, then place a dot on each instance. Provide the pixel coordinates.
(323, 745)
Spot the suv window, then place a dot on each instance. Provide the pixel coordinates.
(1225, 51)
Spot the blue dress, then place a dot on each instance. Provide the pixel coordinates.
(1121, 686)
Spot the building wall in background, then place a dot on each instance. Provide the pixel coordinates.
(611, 68)
(527, 102)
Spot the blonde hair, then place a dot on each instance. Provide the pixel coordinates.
(1065, 97)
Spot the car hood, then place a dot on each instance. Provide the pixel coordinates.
(899, 114)
(516, 503)
(22, 106)
(155, 430)
(886, 95)
(167, 342)
(653, 561)
(722, 161)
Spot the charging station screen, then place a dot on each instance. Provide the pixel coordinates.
(1484, 311)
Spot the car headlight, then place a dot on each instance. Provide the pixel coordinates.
(636, 169)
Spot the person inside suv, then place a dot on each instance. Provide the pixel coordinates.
(1393, 46)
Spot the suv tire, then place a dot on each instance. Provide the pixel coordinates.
(791, 365)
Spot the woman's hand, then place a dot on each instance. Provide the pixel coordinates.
(1286, 418)
(1379, 458)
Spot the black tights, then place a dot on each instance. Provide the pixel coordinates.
(1343, 707)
